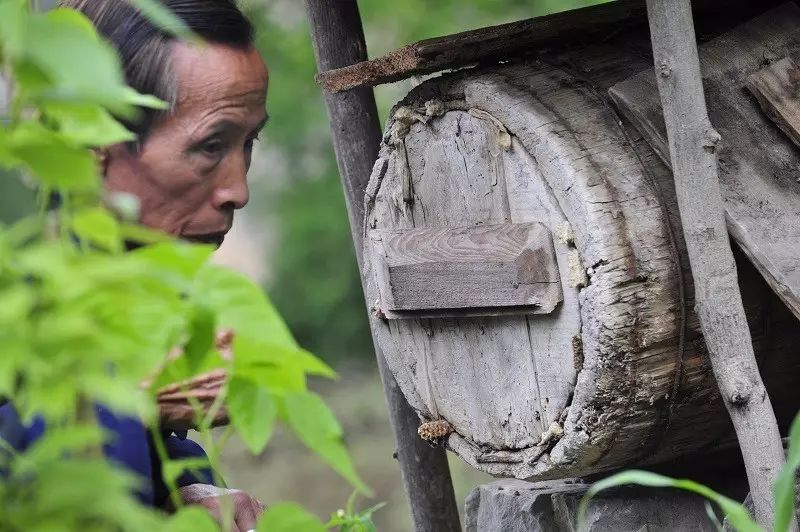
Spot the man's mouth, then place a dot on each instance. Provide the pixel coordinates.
(209, 238)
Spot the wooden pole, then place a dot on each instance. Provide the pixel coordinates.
(338, 39)
(693, 151)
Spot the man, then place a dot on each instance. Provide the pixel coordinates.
(188, 170)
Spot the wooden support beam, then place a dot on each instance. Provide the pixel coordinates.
(775, 87)
(338, 39)
(693, 152)
(485, 44)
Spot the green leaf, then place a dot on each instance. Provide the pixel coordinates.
(201, 337)
(98, 227)
(58, 440)
(254, 355)
(178, 262)
(785, 483)
(12, 26)
(56, 163)
(313, 365)
(17, 301)
(164, 18)
(80, 67)
(87, 124)
(316, 426)
(736, 513)
(15, 356)
(242, 306)
(288, 517)
(192, 519)
(348, 520)
(274, 367)
(252, 412)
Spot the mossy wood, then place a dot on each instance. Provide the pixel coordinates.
(616, 374)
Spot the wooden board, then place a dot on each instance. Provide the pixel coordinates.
(777, 88)
(495, 42)
(759, 166)
(474, 269)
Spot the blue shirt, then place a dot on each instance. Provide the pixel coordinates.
(130, 446)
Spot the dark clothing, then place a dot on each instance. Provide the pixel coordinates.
(130, 446)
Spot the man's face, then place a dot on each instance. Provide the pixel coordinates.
(190, 173)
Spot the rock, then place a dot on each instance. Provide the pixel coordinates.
(517, 506)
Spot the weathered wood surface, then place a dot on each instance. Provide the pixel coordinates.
(620, 365)
(338, 40)
(511, 505)
(718, 302)
(453, 269)
(759, 167)
(777, 89)
(484, 44)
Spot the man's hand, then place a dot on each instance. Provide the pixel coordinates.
(246, 509)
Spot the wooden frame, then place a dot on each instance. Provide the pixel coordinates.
(341, 58)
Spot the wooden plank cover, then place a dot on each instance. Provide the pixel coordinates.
(759, 167)
(777, 88)
(472, 268)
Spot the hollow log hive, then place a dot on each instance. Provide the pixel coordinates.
(524, 256)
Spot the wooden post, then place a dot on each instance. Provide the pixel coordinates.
(338, 39)
(692, 147)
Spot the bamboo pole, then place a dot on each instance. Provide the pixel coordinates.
(693, 151)
(338, 39)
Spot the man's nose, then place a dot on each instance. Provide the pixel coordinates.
(233, 192)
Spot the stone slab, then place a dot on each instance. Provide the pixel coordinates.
(517, 506)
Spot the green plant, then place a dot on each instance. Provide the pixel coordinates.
(736, 513)
(350, 520)
(85, 322)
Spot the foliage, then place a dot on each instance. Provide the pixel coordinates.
(85, 322)
(289, 517)
(737, 514)
(349, 520)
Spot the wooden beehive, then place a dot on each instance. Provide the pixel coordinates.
(525, 262)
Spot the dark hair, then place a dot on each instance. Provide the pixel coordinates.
(144, 48)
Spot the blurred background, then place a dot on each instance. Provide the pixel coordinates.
(294, 239)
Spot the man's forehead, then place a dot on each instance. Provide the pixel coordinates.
(217, 72)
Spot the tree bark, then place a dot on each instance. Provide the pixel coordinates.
(338, 40)
(693, 151)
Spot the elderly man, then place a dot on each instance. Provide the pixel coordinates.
(188, 169)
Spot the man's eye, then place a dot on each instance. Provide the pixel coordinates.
(212, 147)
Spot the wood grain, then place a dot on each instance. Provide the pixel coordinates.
(777, 88)
(475, 268)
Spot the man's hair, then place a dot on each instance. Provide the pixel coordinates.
(144, 48)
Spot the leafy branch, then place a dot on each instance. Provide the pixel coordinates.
(85, 322)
